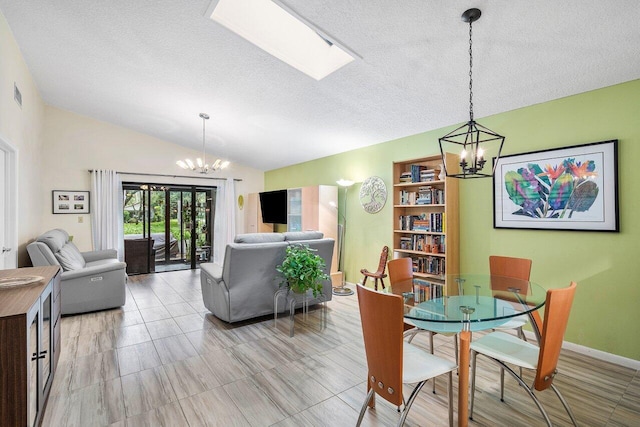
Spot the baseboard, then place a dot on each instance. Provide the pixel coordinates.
(596, 354)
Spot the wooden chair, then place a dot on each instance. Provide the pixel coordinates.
(401, 280)
(515, 268)
(392, 362)
(378, 274)
(506, 349)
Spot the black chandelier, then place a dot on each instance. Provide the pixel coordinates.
(474, 140)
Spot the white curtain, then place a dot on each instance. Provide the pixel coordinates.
(106, 211)
(224, 227)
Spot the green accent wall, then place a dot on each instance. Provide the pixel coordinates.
(606, 266)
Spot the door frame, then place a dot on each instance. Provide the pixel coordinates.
(10, 202)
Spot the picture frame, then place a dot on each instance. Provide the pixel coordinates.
(571, 188)
(70, 202)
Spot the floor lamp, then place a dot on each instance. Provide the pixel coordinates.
(342, 228)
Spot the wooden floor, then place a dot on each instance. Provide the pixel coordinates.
(163, 360)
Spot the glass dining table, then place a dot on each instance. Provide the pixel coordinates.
(467, 303)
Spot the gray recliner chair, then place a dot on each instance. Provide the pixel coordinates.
(90, 281)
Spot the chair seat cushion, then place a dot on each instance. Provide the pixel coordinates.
(515, 323)
(418, 365)
(507, 348)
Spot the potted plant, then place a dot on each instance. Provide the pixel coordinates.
(302, 269)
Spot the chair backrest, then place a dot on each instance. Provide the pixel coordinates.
(556, 316)
(401, 275)
(382, 327)
(518, 268)
(502, 268)
(384, 255)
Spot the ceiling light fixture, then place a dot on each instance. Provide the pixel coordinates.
(281, 32)
(201, 163)
(475, 140)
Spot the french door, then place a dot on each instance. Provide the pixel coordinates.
(176, 221)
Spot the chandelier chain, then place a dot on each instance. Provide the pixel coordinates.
(470, 72)
(204, 155)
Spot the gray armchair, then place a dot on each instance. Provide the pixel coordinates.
(90, 281)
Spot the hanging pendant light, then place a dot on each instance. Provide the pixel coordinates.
(472, 140)
(201, 163)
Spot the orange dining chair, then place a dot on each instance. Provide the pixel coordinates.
(506, 349)
(379, 273)
(401, 281)
(391, 361)
(514, 268)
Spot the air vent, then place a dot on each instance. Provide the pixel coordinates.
(17, 95)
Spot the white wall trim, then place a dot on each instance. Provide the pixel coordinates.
(596, 354)
(11, 198)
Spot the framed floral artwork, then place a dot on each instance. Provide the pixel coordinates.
(569, 188)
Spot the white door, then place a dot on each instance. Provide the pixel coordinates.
(8, 194)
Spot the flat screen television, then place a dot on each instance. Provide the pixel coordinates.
(273, 205)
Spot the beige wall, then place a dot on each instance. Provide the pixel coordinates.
(22, 128)
(74, 144)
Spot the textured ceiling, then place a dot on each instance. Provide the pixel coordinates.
(152, 66)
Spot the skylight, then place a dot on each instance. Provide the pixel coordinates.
(281, 34)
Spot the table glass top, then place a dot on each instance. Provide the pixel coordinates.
(487, 299)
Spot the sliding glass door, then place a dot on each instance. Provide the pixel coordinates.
(176, 222)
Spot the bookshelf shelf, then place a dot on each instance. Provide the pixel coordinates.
(421, 225)
(420, 253)
(430, 205)
(418, 184)
(432, 277)
(435, 233)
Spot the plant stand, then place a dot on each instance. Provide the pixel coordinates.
(292, 299)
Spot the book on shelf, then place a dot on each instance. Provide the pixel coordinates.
(427, 175)
(424, 290)
(405, 177)
(414, 222)
(406, 243)
(420, 225)
(429, 265)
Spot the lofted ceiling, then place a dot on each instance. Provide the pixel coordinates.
(154, 65)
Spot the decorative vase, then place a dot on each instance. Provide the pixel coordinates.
(442, 175)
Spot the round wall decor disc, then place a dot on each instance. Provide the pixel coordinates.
(373, 194)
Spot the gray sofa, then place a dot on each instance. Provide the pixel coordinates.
(90, 281)
(243, 288)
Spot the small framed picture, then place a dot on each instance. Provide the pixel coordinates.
(571, 188)
(70, 202)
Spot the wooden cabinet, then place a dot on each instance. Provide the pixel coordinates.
(426, 222)
(29, 345)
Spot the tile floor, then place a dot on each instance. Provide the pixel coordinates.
(163, 360)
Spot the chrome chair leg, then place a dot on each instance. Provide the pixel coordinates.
(450, 393)
(411, 334)
(364, 407)
(407, 406)
(526, 387)
(565, 404)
